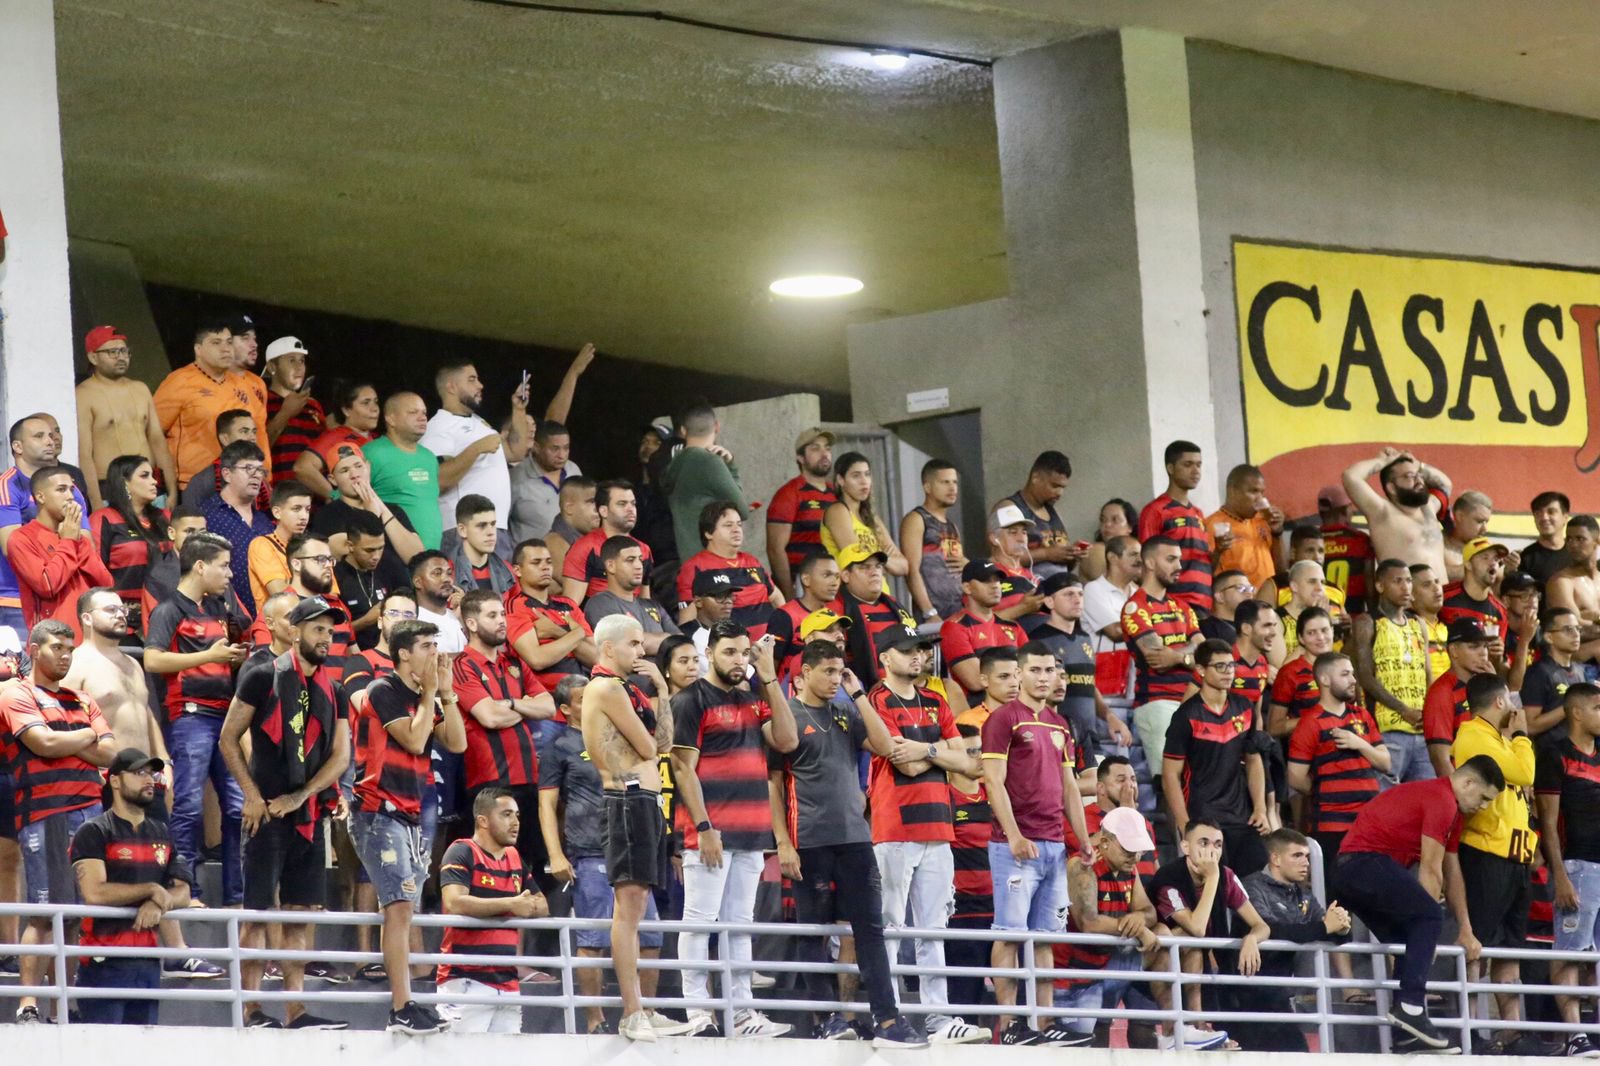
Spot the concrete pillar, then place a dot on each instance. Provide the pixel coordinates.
(36, 346)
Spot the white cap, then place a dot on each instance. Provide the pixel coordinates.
(283, 346)
(1007, 514)
(9, 641)
(1127, 826)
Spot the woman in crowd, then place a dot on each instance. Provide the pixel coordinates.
(357, 404)
(131, 530)
(1118, 518)
(851, 520)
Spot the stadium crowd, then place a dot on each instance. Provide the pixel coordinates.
(439, 647)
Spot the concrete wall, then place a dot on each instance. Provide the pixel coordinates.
(1290, 152)
(36, 346)
(761, 435)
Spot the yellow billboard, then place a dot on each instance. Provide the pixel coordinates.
(1488, 370)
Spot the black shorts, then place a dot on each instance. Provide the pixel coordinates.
(634, 832)
(1497, 898)
(283, 868)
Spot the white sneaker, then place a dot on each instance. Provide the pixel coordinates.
(1194, 1039)
(637, 1027)
(761, 980)
(960, 1033)
(700, 1021)
(665, 1026)
(752, 1024)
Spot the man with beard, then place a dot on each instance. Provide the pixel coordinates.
(293, 708)
(935, 538)
(116, 415)
(472, 458)
(720, 732)
(123, 858)
(438, 596)
(583, 571)
(1469, 520)
(113, 680)
(1577, 585)
(1483, 563)
(794, 516)
(1404, 520)
(623, 561)
(311, 574)
(1336, 753)
(548, 632)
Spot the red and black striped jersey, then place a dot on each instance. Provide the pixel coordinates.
(800, 505)
(388, 777)
(906, 807)
(507, 756)
(46, 786)
(523, 613)
(974, 884)
(126, 553)
(303, 427)
(134, 855)
(184, 627)
(1184, 523)
(1444, 709)
(1489, 613)
(1175, 622)
(724, 726)
(966, 636)
(363, 668)
(485, 877)
(1250, 679)
(1347, 552)
(867, 621)
(1113, 899)
(1092, 816)
(744, 574)
(583, 560)
(1296, 687)
(1342, 780)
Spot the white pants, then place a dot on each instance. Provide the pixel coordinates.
(919, 879)
(1150, 721)
(481, 1017)
(725, 894)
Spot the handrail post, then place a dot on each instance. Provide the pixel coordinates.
(1319, 962)
(1031, 992)
(725, 960)
(1175, 960)
(1380, 995)
(1465, 1002)
(235, 975)
(569, 1013)
(58, 945)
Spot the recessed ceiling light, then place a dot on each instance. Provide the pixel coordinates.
(815, 286)
(890, 60)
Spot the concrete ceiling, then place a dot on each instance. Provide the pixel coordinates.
(556, 178)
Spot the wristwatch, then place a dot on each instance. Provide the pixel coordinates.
(933, 751)
(703, 826)
(1188, 658)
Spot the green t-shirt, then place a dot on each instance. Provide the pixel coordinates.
(409, 481)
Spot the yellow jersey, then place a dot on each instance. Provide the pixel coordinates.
(1503, 828)
(1400, 658)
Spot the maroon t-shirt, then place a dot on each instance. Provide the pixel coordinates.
(1035, 745)
(1395, 822)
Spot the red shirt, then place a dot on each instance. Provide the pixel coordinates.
(1444, 709)
(48, 786)
(390, 778)
(1342, 780)
(1347, 552)
(1296, 687)
(522, 611)
(744, 574)
(800, 505)
(1250, 679)
(1395, 822)
(724, 727)
(965, 636)
(1184, 523)
(299, 433)
(1489, 613)
(52, 572)
(1176, 624)
(1035, 746)
(583, 560)
(905, 807)
(507, 756)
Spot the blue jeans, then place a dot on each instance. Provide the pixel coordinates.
(119, 973)
(196, 756)
(1408, 757)
(593, 898)
(1575, 930)
(391, 850)
(1030, 895)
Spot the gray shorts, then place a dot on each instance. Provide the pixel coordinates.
(391, 852)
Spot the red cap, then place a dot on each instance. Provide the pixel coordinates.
(100, 336)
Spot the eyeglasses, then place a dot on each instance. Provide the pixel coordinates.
(321, 560)
(250, 468)
(403, 615)
(1246, 588)
(111, 351)
(1564, 629)
(1222, 668)
(114, 608)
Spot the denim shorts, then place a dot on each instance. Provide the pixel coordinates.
(47, 855)
(594, 898)
(391, 852)
(1030, 895)
(1575, 930)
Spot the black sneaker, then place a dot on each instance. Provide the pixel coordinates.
(1021, 1034)
(31, 1016)
(374, 972)
(9, 966)
(258, 1019)
(1055, 1035)
(1417, 1026)
(606, 1028)
(898, 1033)
(324, 972)
(311, 1021)
(415, 1020)
(1403, 1043)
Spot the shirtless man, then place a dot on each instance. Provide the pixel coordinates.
(1576, 586)
(117, 416)
(626, 733)
(1404, 520)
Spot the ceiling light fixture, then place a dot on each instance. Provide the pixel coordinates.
(890, 61)
(815, 286)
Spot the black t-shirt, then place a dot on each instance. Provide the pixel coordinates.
(1212, 748)
(288, 745)
(1542, 562)
(1564, 771)
(361, 590)
(1173, 889)
(1545, 684)
(566, 768)
(334, 517)
(133, 855)
(1211, 627)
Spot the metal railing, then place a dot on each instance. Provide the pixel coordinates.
(1322, 985)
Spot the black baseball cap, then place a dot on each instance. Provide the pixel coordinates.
(900, 637)
(1058, 581)
(707, 583)
(1518, 581)
(239, 322)
(980, 570)
(311, 607)
(129, 759)
(1467, 631)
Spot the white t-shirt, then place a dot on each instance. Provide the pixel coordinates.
(452, 638)
(1102, 605)
(489, 475)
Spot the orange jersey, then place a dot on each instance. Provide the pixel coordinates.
(188, 403)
